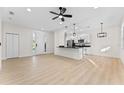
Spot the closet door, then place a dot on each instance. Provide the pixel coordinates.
(9, 45)
(12, 42)
(15, 45)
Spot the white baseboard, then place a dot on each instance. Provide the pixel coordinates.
(104, 55)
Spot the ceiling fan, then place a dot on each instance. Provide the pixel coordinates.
(61, 14)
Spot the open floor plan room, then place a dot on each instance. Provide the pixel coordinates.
(61, 45)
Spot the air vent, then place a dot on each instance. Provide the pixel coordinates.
(11, 12)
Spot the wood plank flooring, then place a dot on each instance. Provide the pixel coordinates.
(55, 70)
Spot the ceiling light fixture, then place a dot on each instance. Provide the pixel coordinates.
(28, 9)
(11, 14)
(74, 33)
(60, 16)
(101, 34)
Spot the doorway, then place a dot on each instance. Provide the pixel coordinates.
(34, 44)
(39, 44)
(12, 45)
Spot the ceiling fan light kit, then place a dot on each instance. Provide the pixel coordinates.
(101, 34)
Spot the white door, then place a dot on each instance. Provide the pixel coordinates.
(39, 38)
(12, 45)
(0, 45)
(15, 45)
(40, 42)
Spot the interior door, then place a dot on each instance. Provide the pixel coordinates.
(15, 45)
(12, 45)
(40, 42)
(0, 45)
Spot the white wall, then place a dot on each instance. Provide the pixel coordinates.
(59, 40)
(122, 42)
(25, 36)
(50, 42)
(0, 39)
(112, 40)
(25, 39)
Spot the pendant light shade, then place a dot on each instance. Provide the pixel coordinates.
(102, 34)
(74, 33)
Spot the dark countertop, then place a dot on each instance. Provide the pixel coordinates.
(75, 47)
(69, 47)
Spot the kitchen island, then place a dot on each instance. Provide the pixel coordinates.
(71, 52)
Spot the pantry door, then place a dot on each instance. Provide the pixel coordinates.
(12, 45)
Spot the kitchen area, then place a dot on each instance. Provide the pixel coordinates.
(71, 45)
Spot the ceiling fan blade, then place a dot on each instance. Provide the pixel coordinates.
(55, 17)
(54, 13)
(63, 19)
(67, 15)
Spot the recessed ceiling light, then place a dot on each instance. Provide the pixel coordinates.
(28, 9)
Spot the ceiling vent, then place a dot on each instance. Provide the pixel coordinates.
(11, 13)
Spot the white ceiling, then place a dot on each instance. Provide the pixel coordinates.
(41, 19)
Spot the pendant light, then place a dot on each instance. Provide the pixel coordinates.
(65, 35)
(102, 34)
(74, 33)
